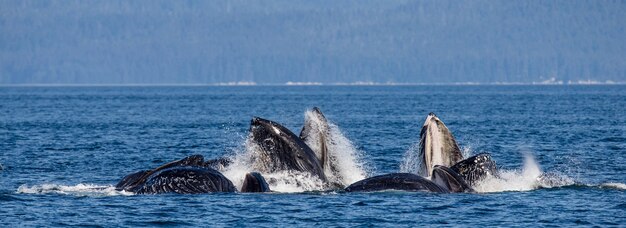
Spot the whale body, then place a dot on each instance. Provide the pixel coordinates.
(443, 180)
(186, 176)
(395, 181)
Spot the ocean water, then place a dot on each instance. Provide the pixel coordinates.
(63, 148)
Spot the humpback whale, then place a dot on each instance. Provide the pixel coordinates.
(186, 180)
(437, 146)
(185, 176)
(442, 168)
(254, 182)
(315, 133)
(476, 168)
(395, 181)
(449, 180)
(282, 150)
(443, 180)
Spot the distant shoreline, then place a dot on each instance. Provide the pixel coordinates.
(312, 85)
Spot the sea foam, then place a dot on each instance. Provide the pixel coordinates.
(530, 177)
(77, 190)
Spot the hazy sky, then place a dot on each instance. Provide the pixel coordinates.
(275, 42)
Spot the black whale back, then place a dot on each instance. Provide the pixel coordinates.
(395, 181)
(188, 175)
(186, 180)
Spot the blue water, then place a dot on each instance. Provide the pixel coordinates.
(56, 143)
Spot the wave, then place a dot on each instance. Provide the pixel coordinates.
(613, 185)
(77, 190)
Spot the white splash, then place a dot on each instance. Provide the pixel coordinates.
(77, 190)
(347, 158)
(294, 181)
(466, 151)
(411, 162)
(242, 164)
(530, 177)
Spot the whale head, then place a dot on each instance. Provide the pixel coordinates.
(315, 133)
(281, 150)
(254, 182)
(437, 146)
(450, 180)
(476, 168)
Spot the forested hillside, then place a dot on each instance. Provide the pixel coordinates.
(206, 42)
